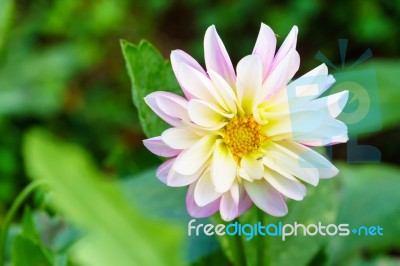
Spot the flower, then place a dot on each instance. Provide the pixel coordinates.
(246, 137)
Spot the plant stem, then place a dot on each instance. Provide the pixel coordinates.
(25, 193)
(261, 241)
(239, 248)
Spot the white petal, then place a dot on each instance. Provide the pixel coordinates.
(204, 192)
(253, 165)
(226, 92)
(151, 101)
(280, 76)
(179, 138)
(216, 56)
(235, 191)
(249, 81)
(177, 57)
(325, 168)
(163, 170)
(192, 159)
(223, 167)
(207, 115)
(158, 147)
(266, 197)
(196, 211)
(290, 188)
(265, 48)
(176, 179)
(228, 208)
(172, 105)
(199, 85)
(288, 44)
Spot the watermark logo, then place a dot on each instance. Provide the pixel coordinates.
(281, 230)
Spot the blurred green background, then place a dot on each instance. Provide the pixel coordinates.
(62, 70)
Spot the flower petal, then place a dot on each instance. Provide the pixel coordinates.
(204, 192)
(290, 188)
(207, 115)
(192, 159)
(151, 101)
(179, 56)
(228, 208)
(216, 56)
(163, 170)
(225, 90)
(253, 166)
(249, 81)
(288, 44)
(281, 74)
(176, 179)
(244, 203)
(223, 167)
(266, 197)
(172, 105)
(158, 147)
(179, 138)
(265, 48)
(199, 85)
(196, 211)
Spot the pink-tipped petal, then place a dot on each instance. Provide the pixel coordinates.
(216, 56)
(266, 197)
(288, 44)
(158, 147)
(228, 208)
(179, 56)
(249, 82)
(176, 179)
(265, 48)
(280, 76)
(163, 170)
(173, 105)
(151, 101)
(204, 192)
(244, 203)
(196, 211)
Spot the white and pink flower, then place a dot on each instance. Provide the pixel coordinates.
(244, 137)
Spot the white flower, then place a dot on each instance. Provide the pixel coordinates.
(244, 138)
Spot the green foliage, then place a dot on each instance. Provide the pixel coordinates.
(27, 248)
(117, 234)
(370, 197)
(6, 15)
(149, 72)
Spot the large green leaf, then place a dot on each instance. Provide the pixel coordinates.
(148, 72)
(374, 94)
(159, 200)
(370, 197)
(116, 232)
(25, 252)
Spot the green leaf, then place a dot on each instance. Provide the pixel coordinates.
(25, 252)
(373, 99)
(370, 197)
(319, 205)
(7, 8)
(148, 72)
(161, 201)
(28, 225)
(116, 232)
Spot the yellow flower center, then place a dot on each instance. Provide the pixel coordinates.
(242, 135)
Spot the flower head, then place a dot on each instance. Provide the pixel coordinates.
(246, 137)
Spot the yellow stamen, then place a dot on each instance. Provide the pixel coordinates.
(242, 135)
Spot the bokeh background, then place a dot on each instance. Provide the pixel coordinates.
(62, 70)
